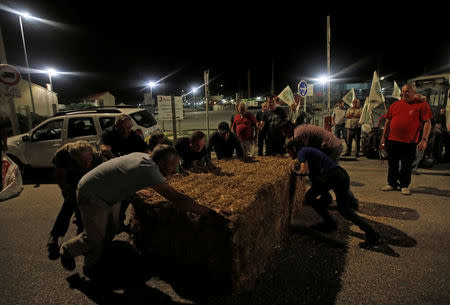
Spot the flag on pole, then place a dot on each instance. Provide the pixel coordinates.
(376, 97)
(365, 117)
(287, 96)
(396, 93)
(349, 97)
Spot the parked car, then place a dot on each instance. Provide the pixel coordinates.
(37, 147)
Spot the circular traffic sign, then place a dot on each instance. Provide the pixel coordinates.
(9, 75)
(302, 88)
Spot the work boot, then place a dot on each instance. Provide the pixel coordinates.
(53, 248)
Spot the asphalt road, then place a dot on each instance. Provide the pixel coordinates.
(414, 268)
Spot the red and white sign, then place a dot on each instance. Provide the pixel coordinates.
(9, 75)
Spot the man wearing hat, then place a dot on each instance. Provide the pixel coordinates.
(224, 143)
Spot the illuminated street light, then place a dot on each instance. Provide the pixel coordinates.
(151, 85)
(51, 72)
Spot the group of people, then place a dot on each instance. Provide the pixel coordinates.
(97, 185)
(346, 125)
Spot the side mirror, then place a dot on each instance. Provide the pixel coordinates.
(26, 138)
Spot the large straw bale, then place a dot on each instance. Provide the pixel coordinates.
(232, 252)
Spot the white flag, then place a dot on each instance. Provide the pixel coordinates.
(365, 114)
(396, 93)
(349, 97)
(287, 96)
(376, 97)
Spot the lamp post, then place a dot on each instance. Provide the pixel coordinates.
(51, 72)
(194, 89)
(151, 85)
(26, 15)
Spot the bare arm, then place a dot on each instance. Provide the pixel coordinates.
(385, 132)
(426, 132)
(181, 201)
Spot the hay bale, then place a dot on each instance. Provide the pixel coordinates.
(262, 197)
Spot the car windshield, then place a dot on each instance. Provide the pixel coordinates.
(143, 118)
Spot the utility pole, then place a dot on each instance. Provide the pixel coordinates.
(2, 50)
(272, 86)
(248, 84)
(328, 60)
(26, 62)
(206, 77)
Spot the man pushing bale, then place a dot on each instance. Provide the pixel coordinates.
(101, 191)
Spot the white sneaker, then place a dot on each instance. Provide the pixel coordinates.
(387, 188)
(406, 191)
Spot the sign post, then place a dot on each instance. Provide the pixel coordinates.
(174, 118)
(206, 77)
(9, 79)
(165, 109)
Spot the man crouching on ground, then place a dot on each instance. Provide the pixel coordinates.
(326, 175)
(101, 191)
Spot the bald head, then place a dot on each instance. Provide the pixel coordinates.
(408, 93)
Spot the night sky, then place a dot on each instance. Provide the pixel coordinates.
(119, 47)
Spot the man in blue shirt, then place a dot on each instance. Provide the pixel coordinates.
(325, 175)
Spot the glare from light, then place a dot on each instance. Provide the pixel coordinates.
(323, 79)
(51, 72)
(194, 89)
(152, 84)
(25, 15)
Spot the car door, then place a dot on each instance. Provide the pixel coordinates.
(44, 142)
(82, 128)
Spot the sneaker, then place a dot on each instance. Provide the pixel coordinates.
(68, 262)
(346, 154)
(388, 188)
(406, 191)
(53, 248)
(324, 227)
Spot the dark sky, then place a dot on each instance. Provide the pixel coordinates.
(119, 47)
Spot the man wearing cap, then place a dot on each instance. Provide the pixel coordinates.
(224, 143)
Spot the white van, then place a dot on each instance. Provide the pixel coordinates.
(37, 147)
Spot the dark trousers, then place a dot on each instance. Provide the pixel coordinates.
(404, 153)
(353, 134)
(339, 129)
(275, 144)
(69, 207)
(261, 140)
(335, 179)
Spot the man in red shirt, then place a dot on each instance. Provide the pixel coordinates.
(404, 120)
(244, 126)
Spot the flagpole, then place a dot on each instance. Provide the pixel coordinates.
(328, 60)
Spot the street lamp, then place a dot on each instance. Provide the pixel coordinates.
(26, 15)
(194, 90)
(51, 72)
(151, 85)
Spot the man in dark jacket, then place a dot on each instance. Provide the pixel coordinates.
(224, 143)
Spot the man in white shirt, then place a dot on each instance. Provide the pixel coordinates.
(338, 120)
